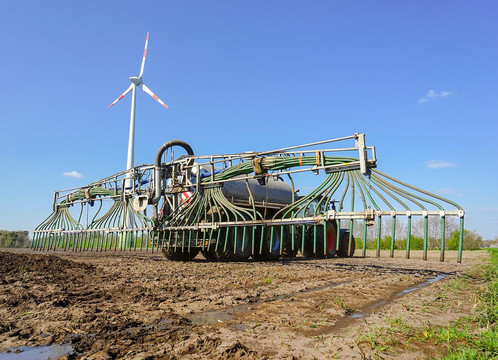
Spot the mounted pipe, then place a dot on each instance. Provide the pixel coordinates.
(157, 168)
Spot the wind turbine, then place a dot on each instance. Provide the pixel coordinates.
(136, 81)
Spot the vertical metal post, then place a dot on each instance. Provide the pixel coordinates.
(198, 178)
(460, 238)
(408, 234)
(351, 221)
(360, 144)
(303, 237)
(183, 241)
(443, 240)
(262, 239)
(379, 233)
(337, 235)
(393, 234)
(426, 225)
(54, 207)
(244, 239)
(364, 238)
(253, 243)
(325, 238)
(293, 234)
(271, 239)
(351, 237)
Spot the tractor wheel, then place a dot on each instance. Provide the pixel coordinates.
(179, 255)
(288, 251)
(243, 242)
(223, 251)
(208, 254)
(271, 245)
(344, 244)
(238, 245)
(323, 250)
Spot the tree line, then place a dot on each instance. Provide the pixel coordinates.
(471, 239)
(14, 239)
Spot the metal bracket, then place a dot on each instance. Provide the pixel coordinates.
(360, 144)
(369, 217)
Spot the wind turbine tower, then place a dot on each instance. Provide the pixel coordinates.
(136, 81)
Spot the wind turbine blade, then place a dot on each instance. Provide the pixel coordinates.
(122, 95)
(148, 91)
(145, 53)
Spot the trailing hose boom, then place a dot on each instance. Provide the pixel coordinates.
(232, 207)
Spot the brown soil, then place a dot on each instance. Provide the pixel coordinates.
(142, 306)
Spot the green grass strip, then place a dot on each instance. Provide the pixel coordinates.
(483, 343)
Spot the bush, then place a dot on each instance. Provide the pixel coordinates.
(471, 240)
(12, 239)
(385, 243)
(416, 243)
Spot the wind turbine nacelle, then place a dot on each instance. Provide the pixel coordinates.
(136, 80)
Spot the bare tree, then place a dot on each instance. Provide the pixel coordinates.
(434, 229)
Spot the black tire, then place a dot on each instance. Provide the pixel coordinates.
(344, 244)
(330, 245)
(179, 255)
(269, 250)
(222, 251)
(238, 244)
(242, 242)
(208, 254)
(271, 244)
(288, 251)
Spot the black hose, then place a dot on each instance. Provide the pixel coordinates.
(169, 144)
(157, 168)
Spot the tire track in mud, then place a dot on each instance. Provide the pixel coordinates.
(210, 317)
(117, 306)
(379, 269)
(213, 316)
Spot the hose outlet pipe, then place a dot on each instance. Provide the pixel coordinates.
(157, 169)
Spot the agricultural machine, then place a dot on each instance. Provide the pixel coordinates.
(233, 207)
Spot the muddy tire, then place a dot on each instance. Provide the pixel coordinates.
(221, 251)
(238, 245)
(344, 244)
(208, 254)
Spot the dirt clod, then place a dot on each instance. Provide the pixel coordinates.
(121, 305)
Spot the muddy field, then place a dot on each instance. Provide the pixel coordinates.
(142, 306)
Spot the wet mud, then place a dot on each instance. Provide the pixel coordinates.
(142, 306)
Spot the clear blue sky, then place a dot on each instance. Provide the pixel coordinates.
(420, 78)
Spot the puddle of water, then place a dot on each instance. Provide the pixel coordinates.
(222, 315)
(437, 278)
(213, 317)
(357, 315)
(50, 352)
(218, 316)
(370, 308)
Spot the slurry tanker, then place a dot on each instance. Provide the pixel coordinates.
(233, 207)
